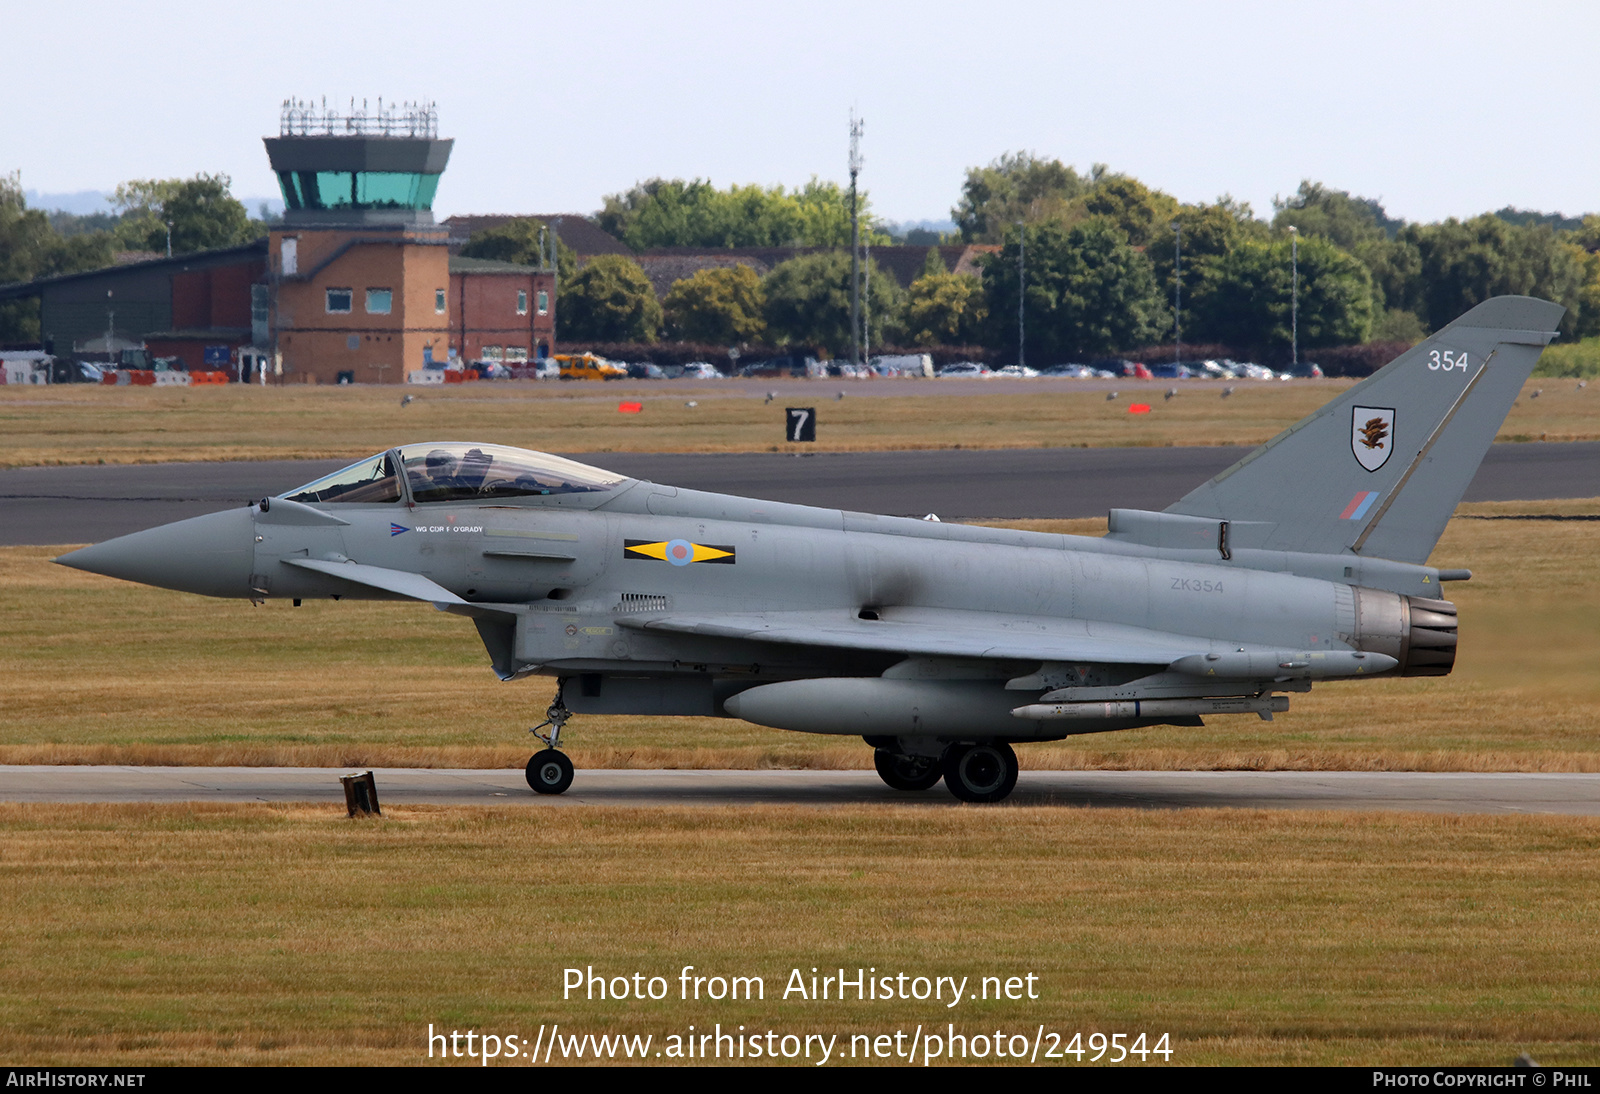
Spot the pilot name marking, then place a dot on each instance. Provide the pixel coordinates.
(1196, 585)
(448, 528)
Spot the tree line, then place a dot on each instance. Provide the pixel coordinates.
(1103, 260)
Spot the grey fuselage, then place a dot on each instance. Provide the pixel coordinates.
(555, 590)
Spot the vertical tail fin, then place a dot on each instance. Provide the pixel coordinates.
(1379, 470)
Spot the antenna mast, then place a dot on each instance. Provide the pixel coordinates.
(855, 241)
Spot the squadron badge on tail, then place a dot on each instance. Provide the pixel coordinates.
(1372, 435)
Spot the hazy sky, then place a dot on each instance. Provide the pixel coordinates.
(1439, 109)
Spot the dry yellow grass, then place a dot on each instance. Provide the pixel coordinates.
(100, 671)
(138, 935)
(85, 424)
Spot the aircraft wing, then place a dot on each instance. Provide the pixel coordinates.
(940, 632)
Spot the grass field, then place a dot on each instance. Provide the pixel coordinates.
(94, 670)
(87, 424)
(139, 935)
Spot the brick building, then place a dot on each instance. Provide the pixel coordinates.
(358, 272)
(362, 280)
(372, 304)
(500, 311)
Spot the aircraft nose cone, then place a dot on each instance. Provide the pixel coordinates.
(209, 555)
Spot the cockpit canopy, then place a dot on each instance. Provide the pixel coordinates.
(455, 472)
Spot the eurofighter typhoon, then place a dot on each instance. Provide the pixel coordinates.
(941, 645)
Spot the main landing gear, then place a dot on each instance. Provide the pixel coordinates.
(984, 772)
(904, 772)
(980, 773)
(549, 771)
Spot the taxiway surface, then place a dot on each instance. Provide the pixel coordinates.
(87, 504)
(1432, 792)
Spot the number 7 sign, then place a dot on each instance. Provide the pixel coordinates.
(802, 423)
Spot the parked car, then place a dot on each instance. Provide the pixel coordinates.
(700, 370)
(645, 370)
(794, 365)
(1121, 366)
(903, 364)
(1017, 372)
(589, 366)
(844, 370)
(1172, 370)
(1305, 370)
(1071, 372)
(963, 369)
(74, 372)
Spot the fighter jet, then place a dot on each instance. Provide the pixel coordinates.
(941, 644)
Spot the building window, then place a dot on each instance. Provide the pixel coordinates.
(438, 301)
(339, 301)
(544, 303)
(516, 355)
(522, 302)
(289, 251)
(379, 301)
(492, 353)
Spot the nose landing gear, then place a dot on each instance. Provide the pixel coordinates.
(549, 771)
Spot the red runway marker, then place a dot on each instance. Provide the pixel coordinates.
(634, 408)
(1139, 408)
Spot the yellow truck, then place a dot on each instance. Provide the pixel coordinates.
(588, 366)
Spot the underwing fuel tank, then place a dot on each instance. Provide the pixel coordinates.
(877, 706)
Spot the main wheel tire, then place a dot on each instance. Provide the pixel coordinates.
(549, 772)
(903, 772)
(980, 773)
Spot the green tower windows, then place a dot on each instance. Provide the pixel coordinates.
(358, 189)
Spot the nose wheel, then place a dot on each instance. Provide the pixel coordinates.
(549, 771)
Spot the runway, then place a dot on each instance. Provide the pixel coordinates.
(87, 504)
(1429, 792)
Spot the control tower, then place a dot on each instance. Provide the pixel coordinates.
(358, 280)
(358, 167)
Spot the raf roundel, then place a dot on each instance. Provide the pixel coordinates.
(679, 552)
